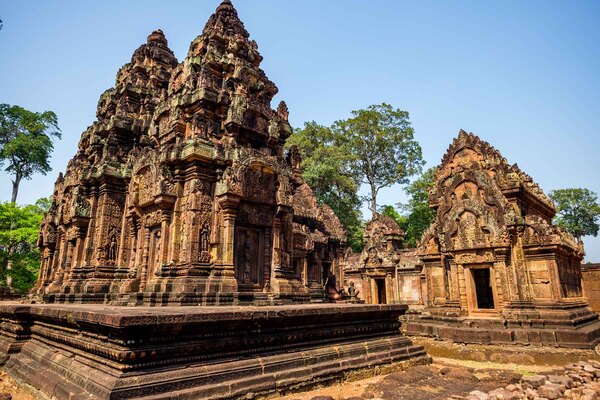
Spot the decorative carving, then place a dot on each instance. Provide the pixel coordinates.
(181, 157)
(487, 209)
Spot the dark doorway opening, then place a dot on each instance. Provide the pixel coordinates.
(483, 288)
(249, 250)
(381, 295)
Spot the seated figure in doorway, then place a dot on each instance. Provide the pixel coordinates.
(352, 291)
(331, 291)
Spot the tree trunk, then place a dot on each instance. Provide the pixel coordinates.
(373, 201)
(15, 190)
(8, 272)
(7, 268)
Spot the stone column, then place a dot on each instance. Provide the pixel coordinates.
(124, 244)
(519, 269)
(304, 271)
(277, 270)
(267, 253)
(89, 243)
(454, 282)
(164, 237)
(229, 206)
(79, 254)
(132, 237)
(77, 250)
(554, 276)
(145, 251)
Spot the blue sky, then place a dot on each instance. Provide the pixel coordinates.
(524, 76)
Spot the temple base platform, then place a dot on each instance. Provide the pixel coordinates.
(571, 327)
(110, 352)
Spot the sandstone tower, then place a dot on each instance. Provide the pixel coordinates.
(496, 269)
(181, 191)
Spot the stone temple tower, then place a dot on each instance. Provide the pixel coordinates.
(181, 191)
(496, 269)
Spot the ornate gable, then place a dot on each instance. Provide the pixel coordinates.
(478, 197)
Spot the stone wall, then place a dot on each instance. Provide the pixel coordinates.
(590, 276)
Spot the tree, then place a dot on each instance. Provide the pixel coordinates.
(418, 214)
(379, 142)
(578, 211)
(19, 256)
(26, 142)
(391, 212)
(325, 168)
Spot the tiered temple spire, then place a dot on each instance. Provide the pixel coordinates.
(180, 192)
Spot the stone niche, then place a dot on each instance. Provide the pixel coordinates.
(181, 194)
(496, 269)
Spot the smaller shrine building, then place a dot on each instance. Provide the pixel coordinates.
(492, 268)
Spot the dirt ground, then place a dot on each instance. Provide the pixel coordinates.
(437, 381)
(8, 385)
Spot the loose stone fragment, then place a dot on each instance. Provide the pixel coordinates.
(551, 391)
(534, 381)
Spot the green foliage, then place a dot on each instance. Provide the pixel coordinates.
(375, 146)
(26, 142)
(19, 227)
(578, 211)
(391, 212)
(418, 213)
(325, 167)
(379, 142)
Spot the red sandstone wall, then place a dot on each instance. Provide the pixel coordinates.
(590, 277)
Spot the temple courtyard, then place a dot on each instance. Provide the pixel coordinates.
(184, 256)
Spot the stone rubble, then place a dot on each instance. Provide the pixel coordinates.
(579, 381)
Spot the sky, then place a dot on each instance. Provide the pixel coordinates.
(523, 75)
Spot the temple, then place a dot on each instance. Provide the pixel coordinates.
(385, 272)
(181, 192)
(496, 269)
(492, 268)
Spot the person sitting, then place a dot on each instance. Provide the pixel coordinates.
(352, 291)
(331, 291)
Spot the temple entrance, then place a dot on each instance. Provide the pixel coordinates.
(381, 293)
(249, 264)
(484, 294)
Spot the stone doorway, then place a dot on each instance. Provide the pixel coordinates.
(380, 291)
(483, 289)
(482, 296)
(249, 256)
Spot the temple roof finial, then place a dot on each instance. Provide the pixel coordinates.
(157, 36)
(225, 5)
